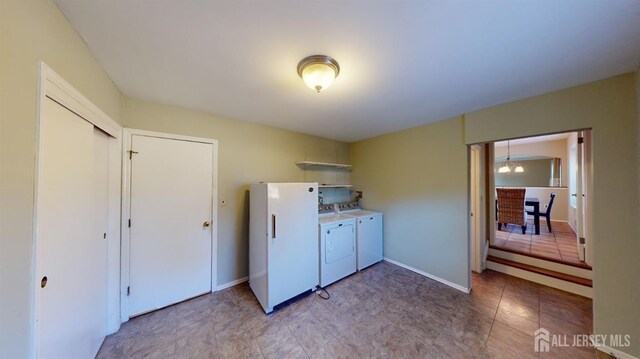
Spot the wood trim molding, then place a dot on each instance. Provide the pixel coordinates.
(616, 353)
(58, 89)
(233, 283)
(532, 255)
(428, 275)
(549, 273)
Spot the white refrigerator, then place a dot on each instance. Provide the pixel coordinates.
(283, 241)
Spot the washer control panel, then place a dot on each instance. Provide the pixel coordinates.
(326, 208)
(348, 206)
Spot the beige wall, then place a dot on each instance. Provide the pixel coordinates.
(556, 148)
(249, 153)
(609, 108)
(32, 30)
(418, 179)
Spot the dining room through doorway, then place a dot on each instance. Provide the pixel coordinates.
(541, 188)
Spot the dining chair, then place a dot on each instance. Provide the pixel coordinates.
(511, 207)
(547, 213)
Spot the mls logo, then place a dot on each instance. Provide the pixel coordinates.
(541, 340)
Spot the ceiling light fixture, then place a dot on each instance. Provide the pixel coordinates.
(318, 71)
(506, 168)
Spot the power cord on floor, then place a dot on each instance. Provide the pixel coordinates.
(319, 292)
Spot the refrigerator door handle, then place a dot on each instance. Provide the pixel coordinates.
(273, 226)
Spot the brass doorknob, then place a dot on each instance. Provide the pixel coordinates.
(43, 282)
(206, 224)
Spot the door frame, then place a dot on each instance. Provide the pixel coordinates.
(125, 249)
(53, 86)
(588, 173)
(476, 208)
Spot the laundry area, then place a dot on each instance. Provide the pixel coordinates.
(302, 242)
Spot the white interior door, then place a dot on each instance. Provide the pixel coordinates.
(171, 211)
(475, 227)
(71, 249)
(584, 187)
(580, 197)
(588, 195)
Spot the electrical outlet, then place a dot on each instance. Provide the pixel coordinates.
(223, 203)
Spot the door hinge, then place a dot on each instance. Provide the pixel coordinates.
(582, 240)
(580, 139)
(129, 222)
(128, 290)
(131, 153)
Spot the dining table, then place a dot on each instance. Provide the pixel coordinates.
(531, 202)
(535, 203)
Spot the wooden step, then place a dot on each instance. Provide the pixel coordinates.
(542, 263)
(546, 272)
(533, 255)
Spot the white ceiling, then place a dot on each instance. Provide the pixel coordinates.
(403, 63)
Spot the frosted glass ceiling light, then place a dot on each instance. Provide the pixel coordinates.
(318, 71)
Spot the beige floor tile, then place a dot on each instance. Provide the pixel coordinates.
(334, 350)
(382, 312)
(516, 322)
(497, 349)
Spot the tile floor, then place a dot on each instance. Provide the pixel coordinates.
(383, 311)
(560, 245)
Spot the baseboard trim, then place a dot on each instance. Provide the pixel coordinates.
(232, 283)
(428, 275)
(615, 352)
(487, 247)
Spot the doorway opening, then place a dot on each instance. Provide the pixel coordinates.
(552, 173)
(535, 273)
(530, 209)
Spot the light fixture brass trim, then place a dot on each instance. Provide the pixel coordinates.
(318, 59)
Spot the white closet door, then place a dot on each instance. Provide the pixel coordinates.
(71, 253)
(171, 199)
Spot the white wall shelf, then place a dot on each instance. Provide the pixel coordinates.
(306, 164)
(325, 185)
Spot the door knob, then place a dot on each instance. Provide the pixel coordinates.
(43, 282)
(206, 224)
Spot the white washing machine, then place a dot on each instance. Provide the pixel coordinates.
(369, 240)
(338, 258)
